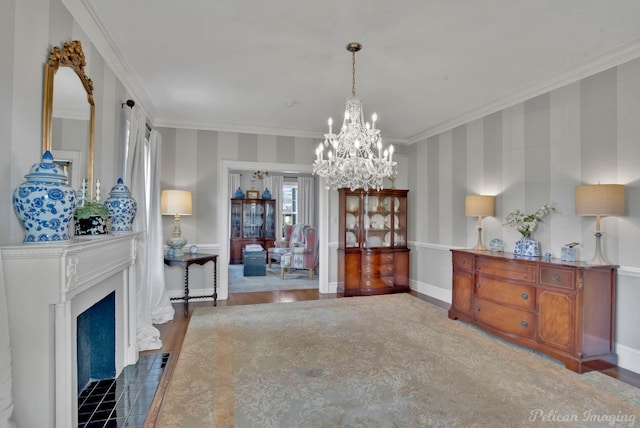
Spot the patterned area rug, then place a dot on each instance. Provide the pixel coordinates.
(383, 361)
(294, 280)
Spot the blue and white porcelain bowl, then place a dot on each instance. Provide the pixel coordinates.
(45, 202)
(122, 208)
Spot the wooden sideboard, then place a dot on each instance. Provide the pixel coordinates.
(565, 310)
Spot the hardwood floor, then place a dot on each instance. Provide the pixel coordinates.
(172, 334)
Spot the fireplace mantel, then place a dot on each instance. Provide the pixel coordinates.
(48, 286)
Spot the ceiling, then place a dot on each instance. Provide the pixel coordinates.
(281, 67)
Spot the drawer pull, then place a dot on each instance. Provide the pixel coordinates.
(524, 296)
(478, 308)
(478, 285)
(524, 323)
(555, 277)
(463, 262)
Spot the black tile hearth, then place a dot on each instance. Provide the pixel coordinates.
(125, 401)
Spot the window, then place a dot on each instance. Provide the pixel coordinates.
(289, 203)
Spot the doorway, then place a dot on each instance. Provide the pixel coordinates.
(323, 223)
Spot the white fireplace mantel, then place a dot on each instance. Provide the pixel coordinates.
(47, 287)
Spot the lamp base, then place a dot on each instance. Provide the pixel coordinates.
(177, 242)
(479, 246)
(598, 259)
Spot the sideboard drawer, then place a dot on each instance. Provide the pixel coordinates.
(377, 258)
(499, 291)
(507, 320)
(557, 277)
(376, 270)
(378, 282)
(507, 269)
(462, 261)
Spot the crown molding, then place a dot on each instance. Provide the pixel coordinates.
(86, 17)
(610, 59)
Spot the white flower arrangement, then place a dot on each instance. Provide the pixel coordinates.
(526, 224)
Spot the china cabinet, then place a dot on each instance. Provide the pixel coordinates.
(373, 257)
(252, 222)
(563, 309)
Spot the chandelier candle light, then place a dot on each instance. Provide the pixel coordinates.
(357, 159)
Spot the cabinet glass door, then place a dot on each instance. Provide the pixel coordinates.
(374, 221)
(394, 210)
(253, 220)
(236, 219)
(352, 223)
(270, 219)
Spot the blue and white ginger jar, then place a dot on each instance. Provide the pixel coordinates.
(122, 208)
(266, 194)
(45, 202)
(527, 247)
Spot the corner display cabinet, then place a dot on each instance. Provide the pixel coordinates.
(563, 309)
(373, 257)
(252, 222)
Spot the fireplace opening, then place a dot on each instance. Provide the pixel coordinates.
(96, 342)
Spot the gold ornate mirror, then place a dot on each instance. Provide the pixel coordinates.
(68, 112)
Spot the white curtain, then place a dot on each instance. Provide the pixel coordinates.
(234, 183)
(142, 172)
(306, 200)
(274, 183)
(6, 397)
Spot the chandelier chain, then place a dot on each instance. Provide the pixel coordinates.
(353, 74)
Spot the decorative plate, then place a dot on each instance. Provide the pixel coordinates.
(352, 203)
(372, 203)
(387, 221)
(350, 221)
(377, 221)
(374, 241)
(352, 241)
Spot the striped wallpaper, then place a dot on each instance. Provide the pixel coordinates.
(529, 154)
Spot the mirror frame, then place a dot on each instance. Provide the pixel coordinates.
(71, 55)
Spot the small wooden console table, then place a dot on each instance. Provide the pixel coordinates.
(200, 259)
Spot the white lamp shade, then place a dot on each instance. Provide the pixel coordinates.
(600, 199)
(479, 205)
(174, 202)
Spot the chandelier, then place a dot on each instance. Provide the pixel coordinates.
(355, 158)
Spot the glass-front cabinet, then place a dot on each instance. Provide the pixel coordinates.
(373, 257)
(252, 222)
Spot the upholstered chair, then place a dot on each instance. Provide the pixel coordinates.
(293, 237)
(304, 256)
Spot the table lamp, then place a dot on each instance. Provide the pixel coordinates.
(176, 203)
(480, 206)
(599, 200)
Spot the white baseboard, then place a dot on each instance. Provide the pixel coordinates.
(431, 290)
(628, 358)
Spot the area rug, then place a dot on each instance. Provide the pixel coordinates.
(382, 361)
(295, 280)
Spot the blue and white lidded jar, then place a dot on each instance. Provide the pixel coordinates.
(45, 202)
(266, 194)
(122, 208)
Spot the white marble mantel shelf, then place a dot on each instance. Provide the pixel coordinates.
(48, 286)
